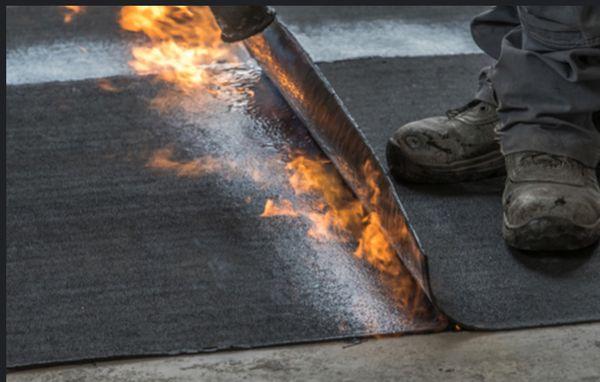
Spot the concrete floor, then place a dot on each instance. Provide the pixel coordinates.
(569, 353)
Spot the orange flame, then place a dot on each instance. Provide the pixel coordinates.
(161, 159)
(71, 11)
(333, 209)
(374, 247)
(184, 42)
(335, 213)
(108, 86)
(204, 165)
(284, 208)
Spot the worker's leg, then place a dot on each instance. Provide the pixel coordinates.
(462, 144)
(546, 88)
(547, 80)
(488, 29)
(547, 84)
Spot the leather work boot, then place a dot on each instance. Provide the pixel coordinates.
(550, 203)
(459, 146)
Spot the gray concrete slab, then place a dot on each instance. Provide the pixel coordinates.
(306, 16)
(29, 26)
(570, 353)
(332, 33)
(41, 47)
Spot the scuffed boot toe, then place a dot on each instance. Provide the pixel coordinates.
(461, 146)
(551, 209)
(413, 155)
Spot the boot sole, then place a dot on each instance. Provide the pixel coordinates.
(550, 234)
(482, 167)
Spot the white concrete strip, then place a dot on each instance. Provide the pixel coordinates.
(384, 38)
(77, 60)
(67, 61)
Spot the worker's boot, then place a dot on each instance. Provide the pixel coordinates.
(459, 146)
(550, 203)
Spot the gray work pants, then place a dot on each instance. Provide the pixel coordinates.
(546, 77)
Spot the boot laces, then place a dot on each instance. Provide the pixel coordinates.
(453, 113)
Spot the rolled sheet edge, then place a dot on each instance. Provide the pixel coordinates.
(312, 98)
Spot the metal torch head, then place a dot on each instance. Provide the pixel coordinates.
(240, 22)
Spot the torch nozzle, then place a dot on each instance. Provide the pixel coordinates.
(240, 22)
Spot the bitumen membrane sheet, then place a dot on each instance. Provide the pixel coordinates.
(134, 210)
(474, 277)
(134, 228)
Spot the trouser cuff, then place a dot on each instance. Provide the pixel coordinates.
(485, 92)
(526, 137)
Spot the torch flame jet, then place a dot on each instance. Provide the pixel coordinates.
(184, 43)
